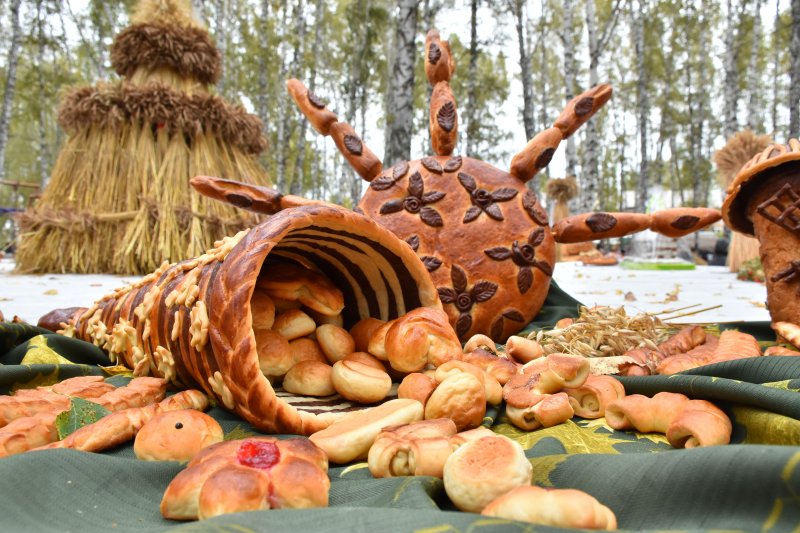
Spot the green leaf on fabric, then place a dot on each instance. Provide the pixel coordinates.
(118, 370)
(80, 413)
(239, 432)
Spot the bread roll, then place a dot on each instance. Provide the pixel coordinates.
(594, 226)
(296, 283)
(523, 350)
(231, 489)
(262, 309)
(359, 382)
(680, 221)
(176, 436)
(493, 390)
(274, 354)
(313, 107)
(293, 324)
(422, 429)
(350, 438)
(481, 470)
(699, 423)
(591, 399)
(547, 411)
(377, 342)
(502, 369)
(309, 378)
(421, 337)
(336, 342)
(461, 398)
(417, 386)
(562, 508)
(320, 319)
(365, 358)
(305, 349)
(362, 332)
(298, 484)
(460, 439)
(480, 340)
(645, 415)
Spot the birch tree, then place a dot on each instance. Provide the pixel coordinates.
(472, 72)
(400, 94)
(517, 10)
(642, 103)
(12, 58)
(794, 73)
(567, 35)
(753, 76)
(731, 87)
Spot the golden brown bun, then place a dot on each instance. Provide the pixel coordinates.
(298, 484)
(362, 159)
(262, 309)
(176, 436)
(295, 283)
(421, 337)
(788, 331)
(680, 221)
(320, 319)
(313, 107)
(562, 508)
(479, 340)
(557, 371)
(305, 349)
(547, 410)
(591, 399)
(274, 353)
(593, 226)
(350, 437)
(336, 342)
(502, 369)
(309, 378)
(461, 398)
(460, 439)
(421, 429)
(359, 382)
(362, 332)
(367, 359)
(780, 351)
(645, 415)
(699, 423)
(481, 470)
(523, 350)
(416, 386)
(250, 491)
(293, 324)
(492, 388)
(377, 341)
(443, 120)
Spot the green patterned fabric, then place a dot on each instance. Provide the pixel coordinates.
(751, 485)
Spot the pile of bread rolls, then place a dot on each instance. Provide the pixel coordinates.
(302, 343)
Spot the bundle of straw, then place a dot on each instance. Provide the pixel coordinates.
(562, 190)
(119, 200)
(729, 159)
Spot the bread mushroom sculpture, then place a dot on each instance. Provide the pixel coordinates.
(481, 233)
(764, 200)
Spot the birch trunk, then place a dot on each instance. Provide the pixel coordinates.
(44, 149)
(570, 76)
(469, 114)
(399, 105)
(11, 81)
(296, 185)
(642, 107)
(731, 93)
(754, 106)
(262, 104)
(776, 67)
(794, 86)
(283, 97)
(590, 176)
(518, 11)
(220, 33)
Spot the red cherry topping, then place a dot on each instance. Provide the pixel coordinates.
(258, 454)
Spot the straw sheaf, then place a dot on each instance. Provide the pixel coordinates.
(739, 149)
(188, 50)
(562, 189)
(112, 105)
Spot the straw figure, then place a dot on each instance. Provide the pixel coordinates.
(119, 200)
(739, 149)
(562, 190)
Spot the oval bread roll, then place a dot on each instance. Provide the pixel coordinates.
(417, 386)
(309, 378)
(359, 382)
(350, 437)
(336, 342)
(481, 470)
(461, 398)
(305, 349)
(262, 309)
(562, 508)
(362, 332)
(274, 353)
(365, 358)
(293, 324)
(176, 436)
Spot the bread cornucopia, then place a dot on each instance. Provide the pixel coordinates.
(228, 321)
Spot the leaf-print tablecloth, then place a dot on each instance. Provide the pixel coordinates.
(751, 485)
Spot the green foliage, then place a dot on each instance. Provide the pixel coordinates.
(80, 413)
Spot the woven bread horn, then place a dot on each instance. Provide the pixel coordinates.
(191, 322)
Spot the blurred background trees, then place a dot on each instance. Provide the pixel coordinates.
(686, 75)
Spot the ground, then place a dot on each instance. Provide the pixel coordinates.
(31, 296)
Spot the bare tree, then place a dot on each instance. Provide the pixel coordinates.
(469, 114)
(642, 104)
(753, 77)
(567, 35)
(399, 104)
(517, 9)
(12, 58)
(44, 150)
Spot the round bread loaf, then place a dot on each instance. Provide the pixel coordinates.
(336, 342)
(362, 332)
(176, 436)
(309, 378)
(359, 382)
(481, 470)
(417, 386)
(461, 398)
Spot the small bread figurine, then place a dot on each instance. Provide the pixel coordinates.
(562, 508)
(176, 436)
